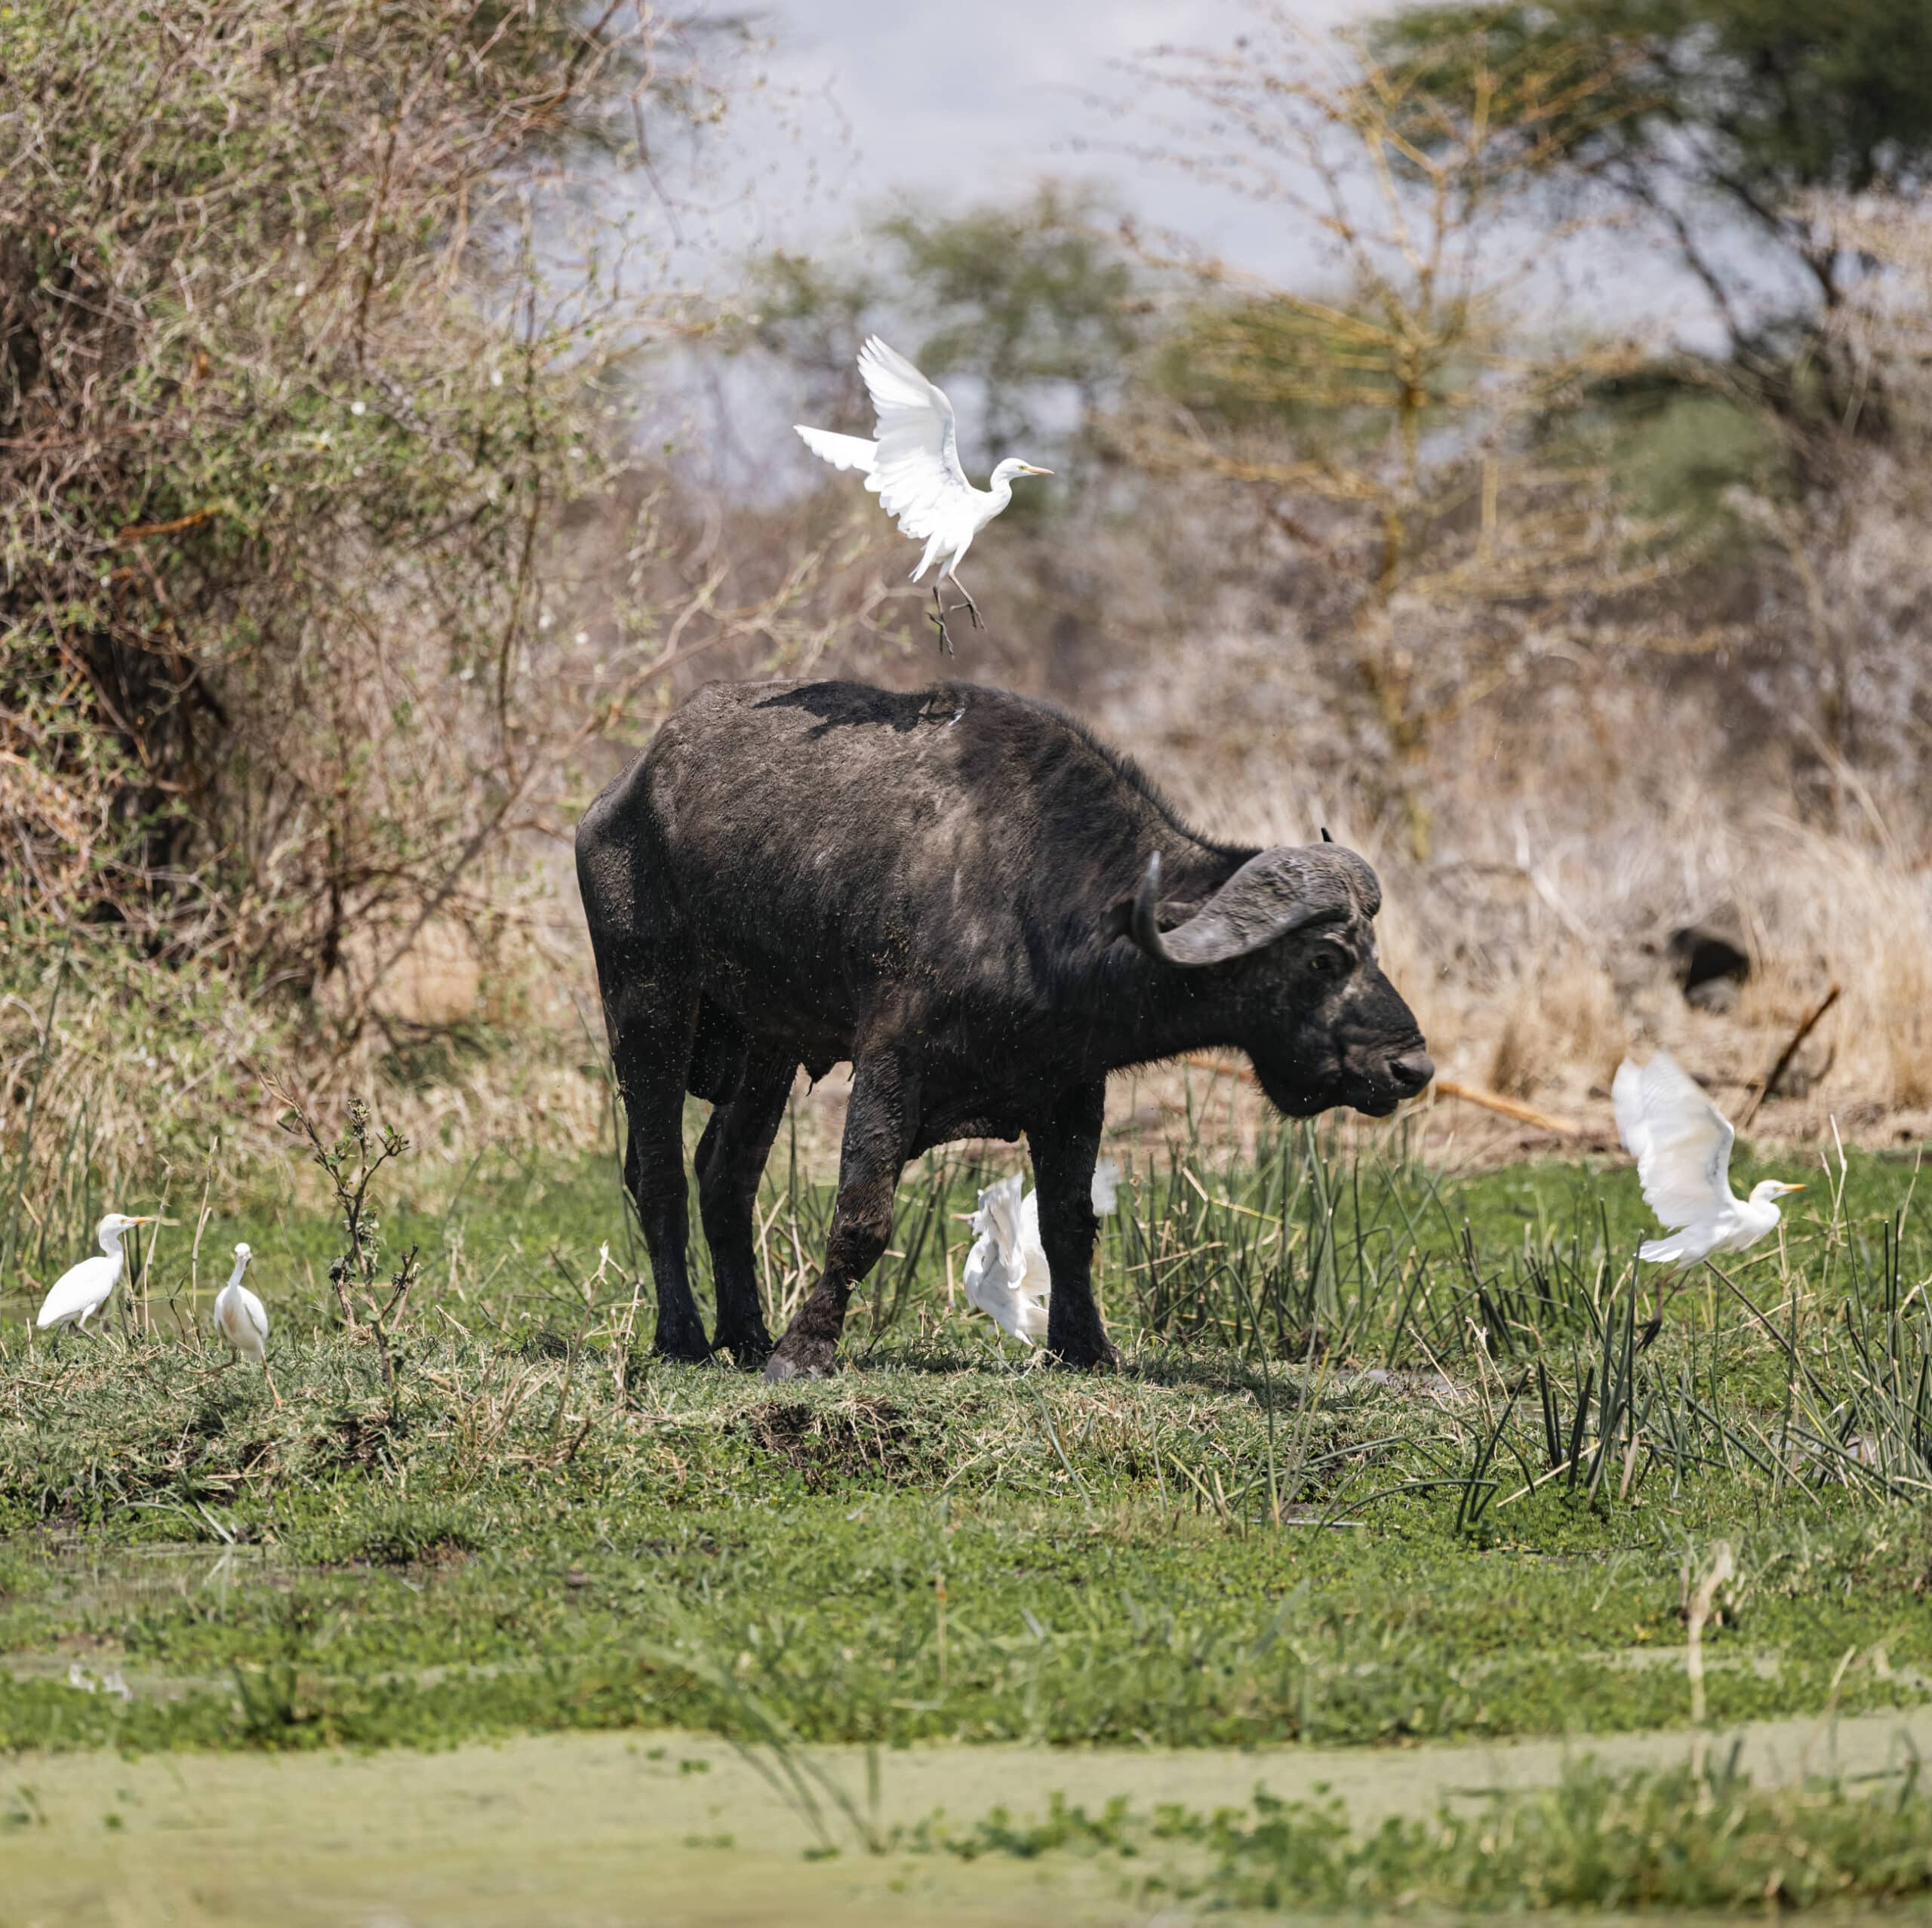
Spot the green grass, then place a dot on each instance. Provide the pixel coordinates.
(1386, 1462)
(1685, 1839)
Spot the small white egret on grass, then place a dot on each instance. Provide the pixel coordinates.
(913, 467)
(1682, 1142)
(81, 1290)
(242, 1320)
(1007, 1276)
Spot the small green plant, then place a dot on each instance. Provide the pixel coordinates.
(350, 1162)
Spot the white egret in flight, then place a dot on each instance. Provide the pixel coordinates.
(913, 467)
(242, 1320)
(1006, 1276)
(1682, 1142)
(81, 1290)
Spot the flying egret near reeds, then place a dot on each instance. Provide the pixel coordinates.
(1682, 1142)
(242, 1320)
(913, 468)
(81, 1290)
(1007, 1276)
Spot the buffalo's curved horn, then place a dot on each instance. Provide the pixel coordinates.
(1268, 897)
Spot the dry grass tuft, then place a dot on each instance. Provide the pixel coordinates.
(1559, 1018)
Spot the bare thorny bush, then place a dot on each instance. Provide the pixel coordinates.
(312, 324)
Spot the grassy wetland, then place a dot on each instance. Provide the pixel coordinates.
(1501, 435)
(1393, 1459)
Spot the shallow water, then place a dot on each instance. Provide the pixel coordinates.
(580, 1830)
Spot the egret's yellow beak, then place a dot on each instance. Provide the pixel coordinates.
(1032, 470)
(149, 1219)
(1794, 1188)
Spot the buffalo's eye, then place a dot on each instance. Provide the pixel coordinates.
(1325, 963)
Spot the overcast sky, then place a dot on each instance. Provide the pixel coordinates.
(974, 101)
(864, 99)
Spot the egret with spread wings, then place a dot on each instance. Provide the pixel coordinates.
(1682, 1142)
(913, 466)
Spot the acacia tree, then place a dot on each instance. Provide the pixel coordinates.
(1039, 301)
(1757, 133)
(1760, 112)
(1382, 429)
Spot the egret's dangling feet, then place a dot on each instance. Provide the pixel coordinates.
(937, 620)
(968, 604)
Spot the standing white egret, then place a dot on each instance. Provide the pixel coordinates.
(240, 1318)
(913, 467)
(1682, 1142)
(81, 1290)
(1007, 1276)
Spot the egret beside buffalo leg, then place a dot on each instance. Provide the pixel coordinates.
(879, 1124)
(730, 1160)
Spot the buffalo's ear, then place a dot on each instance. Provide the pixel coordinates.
(1117, 920)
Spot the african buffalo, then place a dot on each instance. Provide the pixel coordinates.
(983, 908)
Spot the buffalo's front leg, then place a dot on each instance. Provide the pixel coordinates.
(878, 1129)
(731, 1161)
(1064, 1144)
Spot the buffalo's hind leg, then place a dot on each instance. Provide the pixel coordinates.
(731, 1156)
(646, 978)
(879, 1124)
(1064, 1144)
(652, 1025)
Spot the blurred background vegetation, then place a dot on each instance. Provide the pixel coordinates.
(343, 557)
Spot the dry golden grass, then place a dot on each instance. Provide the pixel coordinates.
(1559, 1016)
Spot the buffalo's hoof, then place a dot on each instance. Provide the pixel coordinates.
(1100, 1358)
(809, 1361)
(682, 1348)
(748, 1350)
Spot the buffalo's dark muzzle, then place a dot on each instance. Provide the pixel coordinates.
(1412, 1070)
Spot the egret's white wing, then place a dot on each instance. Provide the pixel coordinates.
(841, 451)
(916, 468)
(989, 1290)
(998, 1219)
(75, 1293)
(1681, 1142)
(1034, 1280)
(1105, 1191)
(242, 1320)
(1006, 1275)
